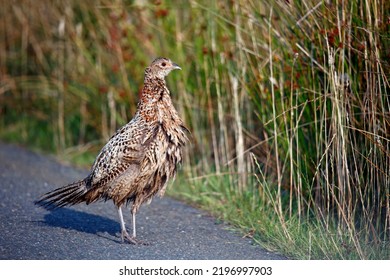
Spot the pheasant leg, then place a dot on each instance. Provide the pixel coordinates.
(125, 236)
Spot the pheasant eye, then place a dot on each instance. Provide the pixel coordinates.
(163, 64)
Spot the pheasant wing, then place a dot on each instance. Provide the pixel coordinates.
(125, 148)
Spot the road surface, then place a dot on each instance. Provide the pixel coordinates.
(174, 229)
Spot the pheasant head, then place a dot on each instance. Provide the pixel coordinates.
(160, 68)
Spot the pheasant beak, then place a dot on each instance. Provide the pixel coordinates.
(175, 66)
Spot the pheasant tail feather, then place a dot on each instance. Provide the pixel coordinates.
(67, 195)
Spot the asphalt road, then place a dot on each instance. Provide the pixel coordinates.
(173, 229)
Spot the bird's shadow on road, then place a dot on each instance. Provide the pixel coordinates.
(82, 222)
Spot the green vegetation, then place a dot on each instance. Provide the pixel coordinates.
(288, 103)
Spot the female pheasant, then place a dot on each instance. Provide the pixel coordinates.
(138, 160)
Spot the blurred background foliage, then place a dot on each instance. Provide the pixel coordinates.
(287, 101)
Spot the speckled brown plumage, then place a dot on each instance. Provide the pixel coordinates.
(139, 159)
